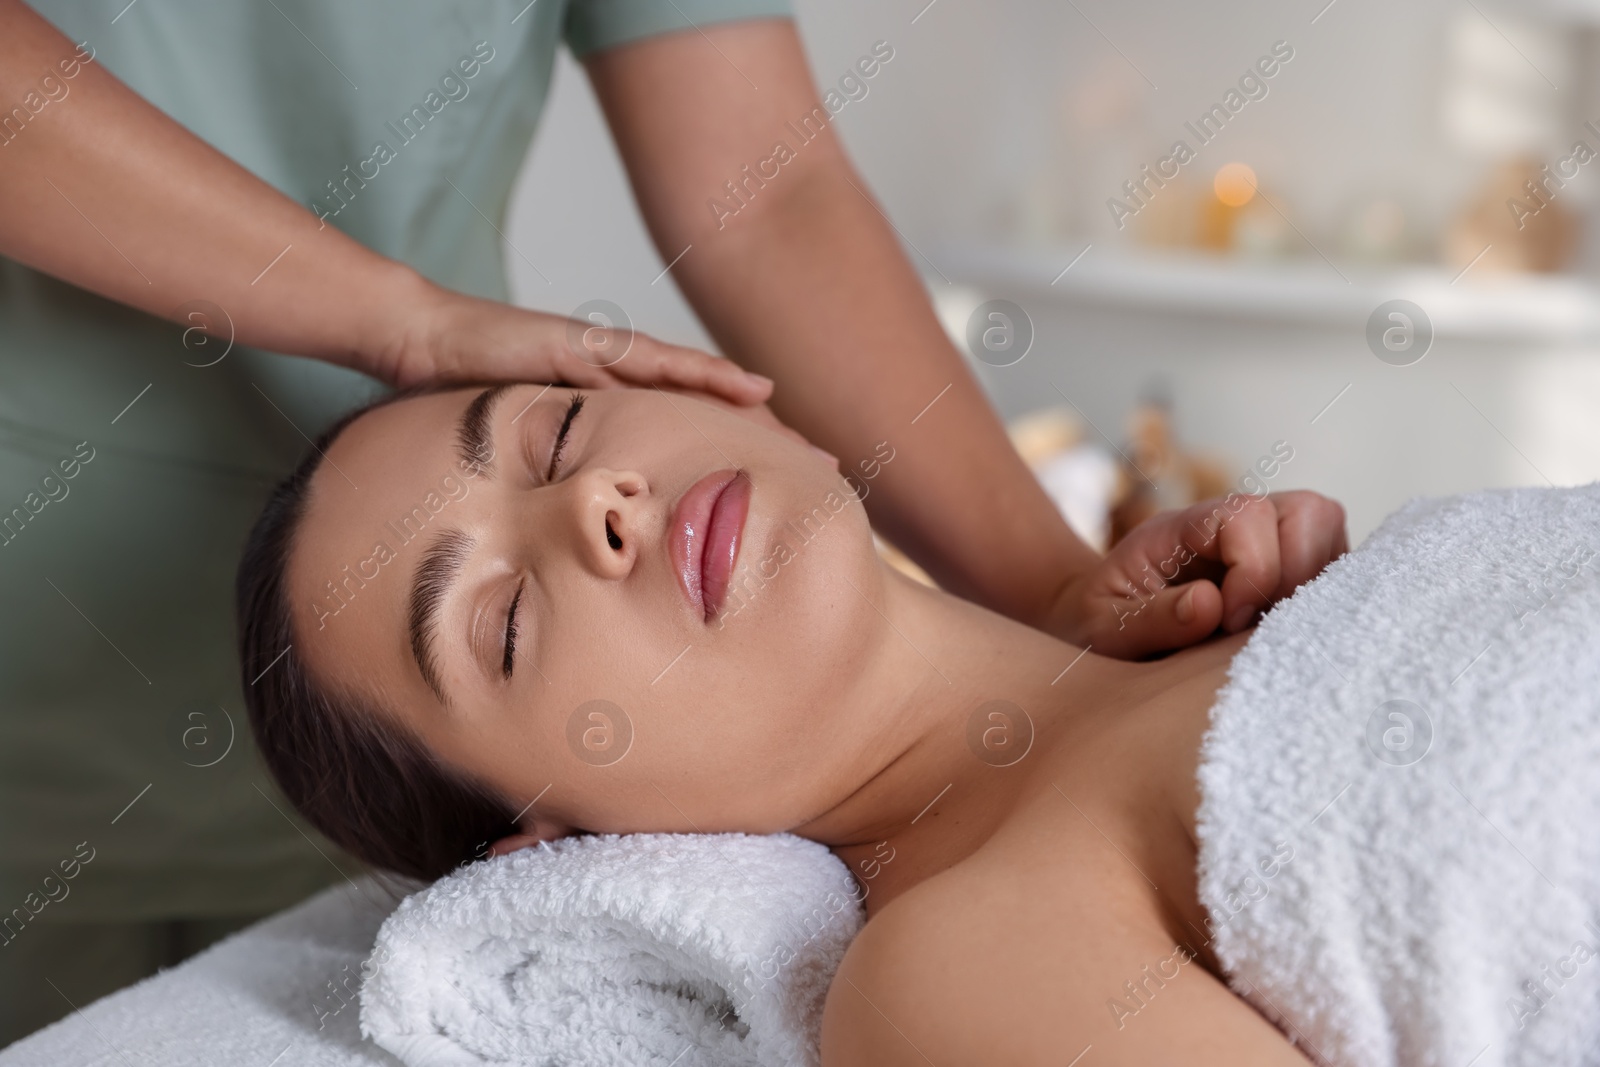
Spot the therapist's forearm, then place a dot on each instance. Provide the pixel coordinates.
(807, 284)
(815, 292)
(103, 190)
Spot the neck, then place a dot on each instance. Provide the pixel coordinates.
(963, 694)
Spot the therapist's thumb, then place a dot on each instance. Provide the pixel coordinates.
(1176, 616)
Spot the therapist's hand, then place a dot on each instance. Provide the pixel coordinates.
(809, 282)
(1180, 575)
(446, 336)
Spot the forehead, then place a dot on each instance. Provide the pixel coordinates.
(414, 427)
(383, 489)
(383, 460)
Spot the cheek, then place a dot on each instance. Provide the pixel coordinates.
(605, 714)
(727, 729)
(729, 722)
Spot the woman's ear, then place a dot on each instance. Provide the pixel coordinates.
(535, 831)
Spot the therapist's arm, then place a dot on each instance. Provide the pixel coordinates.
(101, 189)
(807, 284)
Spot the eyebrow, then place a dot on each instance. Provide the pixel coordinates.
(474, 440)
(441, 565)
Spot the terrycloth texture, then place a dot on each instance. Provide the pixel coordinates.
(601, 951)
(284, 987)
(1394, 898)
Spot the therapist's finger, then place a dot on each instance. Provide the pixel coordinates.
(568, 367)
(1311, 534)
(652, 362)
(1241, 532)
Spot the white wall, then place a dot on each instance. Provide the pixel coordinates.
(1031, 118)
(1004, 99)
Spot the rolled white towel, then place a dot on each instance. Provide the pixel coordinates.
(607, 950)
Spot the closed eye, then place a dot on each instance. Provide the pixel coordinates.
(575, 406)
(511, 634)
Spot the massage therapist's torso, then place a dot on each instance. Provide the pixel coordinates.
(1071, 920)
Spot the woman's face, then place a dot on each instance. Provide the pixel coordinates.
(644, 610)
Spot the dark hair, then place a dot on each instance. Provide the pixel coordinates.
(363, 781)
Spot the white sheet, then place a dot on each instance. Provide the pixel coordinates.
(257, 999)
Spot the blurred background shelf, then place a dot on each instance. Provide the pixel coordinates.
(1300, 291)
(1249, 354)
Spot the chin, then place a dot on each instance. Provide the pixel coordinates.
(808, 629)
(793, 547)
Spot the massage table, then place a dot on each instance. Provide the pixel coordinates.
(259, 998)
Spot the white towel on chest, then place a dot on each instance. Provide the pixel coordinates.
(646, 950)
(1400, 793)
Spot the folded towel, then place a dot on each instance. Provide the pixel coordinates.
(1400, 791)
(607, 950)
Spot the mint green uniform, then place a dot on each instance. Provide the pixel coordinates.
(402, 122)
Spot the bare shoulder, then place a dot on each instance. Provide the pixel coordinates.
(975, 967)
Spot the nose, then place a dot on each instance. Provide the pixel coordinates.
(609, 521)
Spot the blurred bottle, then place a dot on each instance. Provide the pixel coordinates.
(1158, 473)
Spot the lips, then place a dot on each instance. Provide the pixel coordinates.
(707, 524)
